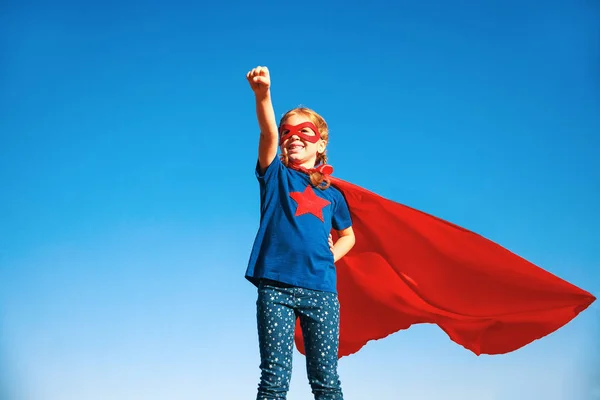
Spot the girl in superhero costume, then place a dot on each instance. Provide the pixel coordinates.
(409, 267)
(293, 258)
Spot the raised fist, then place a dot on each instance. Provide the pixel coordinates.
(259, 80)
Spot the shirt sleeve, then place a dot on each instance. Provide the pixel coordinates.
(270, 172)
(341, 214)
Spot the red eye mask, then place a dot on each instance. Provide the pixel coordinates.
(291, 130)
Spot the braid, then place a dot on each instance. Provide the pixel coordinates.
(322, 158)
(316, 178)
(319, 181)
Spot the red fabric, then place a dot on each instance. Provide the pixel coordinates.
(297, 130)
(309, 203)
(408, 267)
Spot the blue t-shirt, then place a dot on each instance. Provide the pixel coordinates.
(291, 245)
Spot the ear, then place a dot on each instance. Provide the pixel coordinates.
(321, 146)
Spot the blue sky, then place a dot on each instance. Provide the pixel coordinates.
(129, 205)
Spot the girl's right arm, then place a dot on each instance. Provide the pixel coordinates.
(260, 82)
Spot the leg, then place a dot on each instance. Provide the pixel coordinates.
(319, 319)
(276, 319)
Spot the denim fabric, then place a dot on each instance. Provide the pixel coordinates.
(278, 305)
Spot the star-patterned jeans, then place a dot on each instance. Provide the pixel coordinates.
(278, 306)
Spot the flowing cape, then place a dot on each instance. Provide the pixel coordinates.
(409, 267)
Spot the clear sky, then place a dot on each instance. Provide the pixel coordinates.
(128, 202)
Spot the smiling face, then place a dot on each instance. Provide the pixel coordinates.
(301, 148)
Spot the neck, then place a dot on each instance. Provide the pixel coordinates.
(309, 168)
(308, 164)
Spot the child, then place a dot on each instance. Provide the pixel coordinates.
(292, 260)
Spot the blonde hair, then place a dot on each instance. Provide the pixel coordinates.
(317, 179)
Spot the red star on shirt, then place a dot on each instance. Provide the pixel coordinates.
(309, 203)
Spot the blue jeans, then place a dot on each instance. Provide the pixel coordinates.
(277, 307)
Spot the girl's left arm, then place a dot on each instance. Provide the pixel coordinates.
(344, 243)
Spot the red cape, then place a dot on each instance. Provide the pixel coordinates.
(408, 267)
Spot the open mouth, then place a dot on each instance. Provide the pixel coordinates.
(295, 147)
